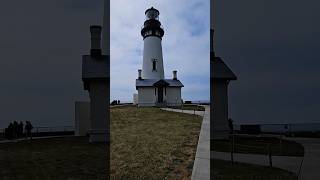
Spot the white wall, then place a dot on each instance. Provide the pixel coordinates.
(173, 96)
(135, 99)
(146, 96)
(220, 110)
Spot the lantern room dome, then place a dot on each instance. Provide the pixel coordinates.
(152, 13)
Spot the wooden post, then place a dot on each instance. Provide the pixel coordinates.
(281, 151)
(232, 149)
(270, 156)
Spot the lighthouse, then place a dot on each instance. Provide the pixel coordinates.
(152, 34)
(152, 86)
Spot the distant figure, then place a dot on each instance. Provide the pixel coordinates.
(15, 129)
(7, 132)
(114, 102)
(10, 131)
(20, 129)
(28, 128)
(230, 122)
(118, 101)
(287, 131)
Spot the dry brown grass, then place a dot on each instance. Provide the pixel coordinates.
(148, 143)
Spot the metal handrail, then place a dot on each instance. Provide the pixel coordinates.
(161, 26)
(49, 128)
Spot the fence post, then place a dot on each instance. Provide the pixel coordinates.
(269, 154)
(232, 149)
(281, 151)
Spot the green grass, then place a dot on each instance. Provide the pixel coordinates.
(224, 170)
(259, 145)
(148, 143)
(56, 158)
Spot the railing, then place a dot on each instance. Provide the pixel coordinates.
(53, 129)
(285, 128)
(267, 146)
(47, 131)
(144, 26)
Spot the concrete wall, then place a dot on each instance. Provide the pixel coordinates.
(220, 127)
(173, 96)
(99, 110)
(146, 96)
(82, 118)
(135, 99)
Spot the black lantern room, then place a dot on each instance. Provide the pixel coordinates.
(152, 25)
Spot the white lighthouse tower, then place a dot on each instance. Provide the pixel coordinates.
(153, 88)
(152, 34)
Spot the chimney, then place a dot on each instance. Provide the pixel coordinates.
(95, 40)
(174, 75)
(139, 74)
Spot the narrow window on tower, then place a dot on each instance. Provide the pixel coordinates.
(154, 65)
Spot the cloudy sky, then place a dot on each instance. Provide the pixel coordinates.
(185, 45)
(42, 43)
(40, 68)
(273, 47)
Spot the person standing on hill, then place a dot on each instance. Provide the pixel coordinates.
(20, 129)
(15, 129)
(28, 128)
(10, 131)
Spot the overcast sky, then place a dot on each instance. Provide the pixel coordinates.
(42, 43)
(273, 47)
(40, 68)
(185, 45)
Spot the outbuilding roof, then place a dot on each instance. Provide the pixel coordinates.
(155, 82)
(220, 70)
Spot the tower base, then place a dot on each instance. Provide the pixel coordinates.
(219, 134)
(99, 135)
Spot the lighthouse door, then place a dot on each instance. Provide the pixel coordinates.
(160, 94)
